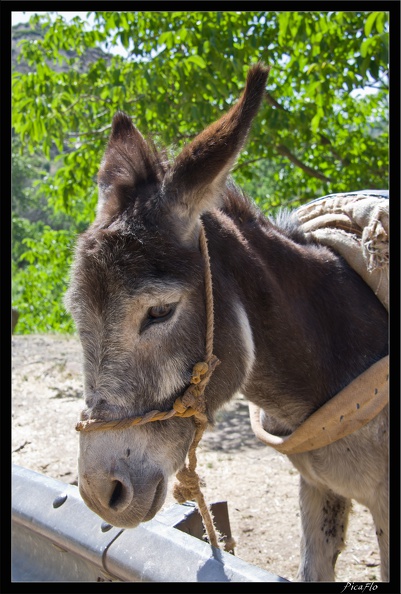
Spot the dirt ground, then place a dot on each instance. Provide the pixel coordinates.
(260, 485)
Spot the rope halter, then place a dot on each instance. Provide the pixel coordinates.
(191, 404)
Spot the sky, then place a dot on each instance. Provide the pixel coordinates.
(23, 17)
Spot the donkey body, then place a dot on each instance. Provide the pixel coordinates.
(294, 324)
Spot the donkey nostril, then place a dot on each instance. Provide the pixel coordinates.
(116, 495)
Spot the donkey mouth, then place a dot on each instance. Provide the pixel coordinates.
(158, 500)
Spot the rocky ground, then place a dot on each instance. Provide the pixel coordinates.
(259, 484)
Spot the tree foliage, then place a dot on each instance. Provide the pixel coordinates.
(316, 133)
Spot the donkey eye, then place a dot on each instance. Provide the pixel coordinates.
(157, 314)
(160, 312)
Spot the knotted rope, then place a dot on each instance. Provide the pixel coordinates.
(191, 404)
(189, 485)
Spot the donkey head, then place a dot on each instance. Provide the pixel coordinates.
(137, 297)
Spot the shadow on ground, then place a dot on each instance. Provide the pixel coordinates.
(232, 430)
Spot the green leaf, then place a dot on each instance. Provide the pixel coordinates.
(380, 22)
(125, 38)
(315, 122)
(183, 34)
(167, 38)
(198, 60)
(284, 18)
(365, 46)
(370, 22)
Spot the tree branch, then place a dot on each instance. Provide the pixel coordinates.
(327, 142)
(285, 152)
(185, 136)
(91, 133)
(245, 163)
(324, 140)
(275, 103)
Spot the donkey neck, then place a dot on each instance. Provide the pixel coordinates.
(303, 305)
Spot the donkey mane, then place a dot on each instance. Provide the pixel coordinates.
(241, 209)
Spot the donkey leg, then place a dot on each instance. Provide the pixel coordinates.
(324, 518)
(381, 519)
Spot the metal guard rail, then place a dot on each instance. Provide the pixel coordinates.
(57, 538)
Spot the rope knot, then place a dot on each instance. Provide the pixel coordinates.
(179, 406)
(188, 486)
(184, 410)
(199, 369)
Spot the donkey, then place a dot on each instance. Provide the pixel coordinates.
(293, 325)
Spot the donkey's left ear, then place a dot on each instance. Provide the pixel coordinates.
(200, 171)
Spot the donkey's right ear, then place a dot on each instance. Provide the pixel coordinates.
(128, 162)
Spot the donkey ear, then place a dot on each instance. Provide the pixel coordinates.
(200, 171)
(128, 163)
